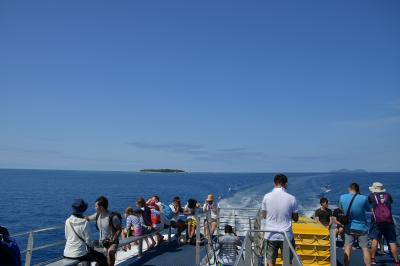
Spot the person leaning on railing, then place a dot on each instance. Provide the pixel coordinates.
(210, 208)
(78, 244)
(147, 224)
(178, 218)
(133, 225)
(110, 227)
(191, 210)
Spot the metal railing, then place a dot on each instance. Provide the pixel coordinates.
(203, 222)
(211, 249)
(332, 247)
(30, 248)
(241, 219)
(129, 240)
(248, 256)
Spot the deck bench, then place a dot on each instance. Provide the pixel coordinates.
(69, 262)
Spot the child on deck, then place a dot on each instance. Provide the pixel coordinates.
(133, 226)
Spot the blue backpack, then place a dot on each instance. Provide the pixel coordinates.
(167, 211)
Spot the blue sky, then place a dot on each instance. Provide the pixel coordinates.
(200, 85)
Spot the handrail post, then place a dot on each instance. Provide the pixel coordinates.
(207, 227)
(29, 249)
(210, 243)
(332, 239)
(197, 240)
(286, 253)
(140, 247)
(290, 252)
(250, 224)
(218, 211)
(248, 251)
(234, 219)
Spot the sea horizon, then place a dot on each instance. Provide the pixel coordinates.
(209, 172)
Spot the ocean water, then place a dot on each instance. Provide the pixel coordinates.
(32, 199)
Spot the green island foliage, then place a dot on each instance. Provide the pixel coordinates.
(165, 170)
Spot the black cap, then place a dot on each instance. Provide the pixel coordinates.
(4, 231)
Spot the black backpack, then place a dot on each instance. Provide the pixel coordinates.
(110, 219)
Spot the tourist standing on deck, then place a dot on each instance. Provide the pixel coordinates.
(324, 214)
(382, 223)
(210, 208)
(278, 208)
(109, 226)
(78, 243)
(357, 226)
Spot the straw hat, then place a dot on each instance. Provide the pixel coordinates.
(377, 187)
(210, 198)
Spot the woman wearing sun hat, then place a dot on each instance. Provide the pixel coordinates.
(77, 234)
(211, 208)
(381, 220)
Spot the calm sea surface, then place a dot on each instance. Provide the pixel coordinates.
(31, 199)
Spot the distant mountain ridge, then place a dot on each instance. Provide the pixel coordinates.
(344, 170)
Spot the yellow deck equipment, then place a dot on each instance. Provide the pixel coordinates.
(312, 242)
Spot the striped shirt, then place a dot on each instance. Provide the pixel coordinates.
(228, 249)
(134, 221)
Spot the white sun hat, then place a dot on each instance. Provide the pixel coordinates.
(377, 187)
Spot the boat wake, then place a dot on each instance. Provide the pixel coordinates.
(306, 188)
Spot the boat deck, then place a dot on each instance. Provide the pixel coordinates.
(172, 254)
(168, 254)
(357, 257)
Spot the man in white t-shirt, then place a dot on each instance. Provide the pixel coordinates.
(278, 208)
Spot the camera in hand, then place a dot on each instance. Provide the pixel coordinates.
(106, 243)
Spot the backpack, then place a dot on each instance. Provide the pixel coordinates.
(110, 219)
(167, 211)
(382, 213)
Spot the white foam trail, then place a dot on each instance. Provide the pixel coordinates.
(307, 190)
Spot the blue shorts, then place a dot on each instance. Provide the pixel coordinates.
(388, 231)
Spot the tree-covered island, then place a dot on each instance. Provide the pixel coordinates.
(165, 170)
